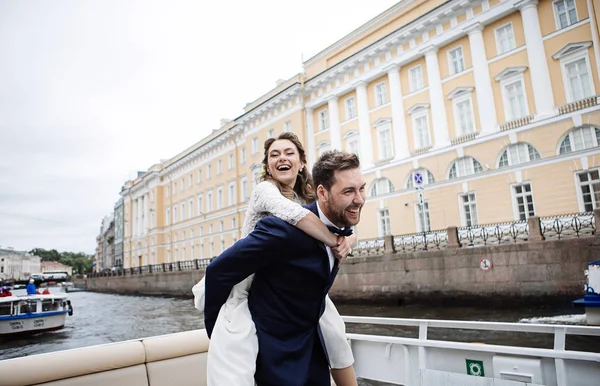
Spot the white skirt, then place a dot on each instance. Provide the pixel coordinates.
(234, 345)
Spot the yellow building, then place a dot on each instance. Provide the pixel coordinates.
(493, 104)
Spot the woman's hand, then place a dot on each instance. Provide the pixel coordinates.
(343, 248)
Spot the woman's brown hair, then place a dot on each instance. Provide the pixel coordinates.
(304, 187)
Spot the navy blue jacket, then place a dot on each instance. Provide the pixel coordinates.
(286, 300)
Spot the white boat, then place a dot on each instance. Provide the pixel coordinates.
(397, 360)
(33, 314)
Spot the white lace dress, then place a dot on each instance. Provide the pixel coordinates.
(234, 345)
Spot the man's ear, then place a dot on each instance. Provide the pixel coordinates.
(321, 193)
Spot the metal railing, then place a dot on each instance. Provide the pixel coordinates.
(500, 233)
(188, 265)
(421, 241)
(568, 226)
(369, 247)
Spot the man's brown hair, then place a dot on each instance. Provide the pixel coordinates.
(323, 172)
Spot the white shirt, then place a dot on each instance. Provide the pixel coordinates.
(326, 221)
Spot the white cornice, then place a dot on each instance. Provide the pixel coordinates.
(508, 72)
(571, 48)
(459, 91)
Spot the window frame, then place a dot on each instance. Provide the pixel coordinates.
(230, 161)
(209, 199)
(220, 197)
(231, 193)
(287, 126)
(418, 218)
(572, 58)
(244, 183)
(384, 222)
(199, 199)
(353, 137)
(578, 129)
(514, 195)
(578, 183)
(458, 176)
(505, 101)
(271, 133)
(323, 119)
(243, 156)
(380, 94)
(557, 18)
(506, 150)
(254, 145)
(374, 190)
(451, 62)
(467, 97)
(385, 146)
(412, 86)
(496, 35)
(415, 115)
(472, 207)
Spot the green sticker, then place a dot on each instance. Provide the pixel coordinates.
(475, 368)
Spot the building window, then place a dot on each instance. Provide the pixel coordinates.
(518, 153)
(515, 104)
(233, 223)
(323, 120)
(381, 186)
(220, 197)
(256, 172)
(167, 191)
(464, 166)
(426, 178)
(230, 163)
(174, 214)
(200, 176)
(219, 167)
(380, 94)
(243, 156)
(463, 115)
(168, 217)
(322, 147)
(191, 208)
(231, 193)
(353, 144)
(523, 201)
(580, 138)
(191, 181)
(287, 127)
(174, 188)
(208, 171)
(505, 39)
(589, 184)
(423, 220)
(421, 129)
(222, 245)
(415, 78)
(209, 201)
(244, 189)
(193, 251)
(254, 145)
(350, 108)
(271, 133)
(385, 142)
(182, 211)
(456, 60)
(221, 226)
(182, 184)
(577, 79)
(468, 209)
(384, 223)
(212, 249)
(200, 208)
(565, 13)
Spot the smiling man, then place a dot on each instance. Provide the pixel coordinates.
(293, 273)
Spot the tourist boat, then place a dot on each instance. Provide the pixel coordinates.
(409, 357)
(591, 299)
(33, 314)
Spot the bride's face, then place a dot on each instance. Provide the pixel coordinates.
(284, 162)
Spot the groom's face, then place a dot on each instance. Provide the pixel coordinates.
(343, 203)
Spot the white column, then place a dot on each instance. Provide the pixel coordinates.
(536, 54)
(398, 120)
(436, 96)
(334, 123)
(364, 126)
(483, 83)
(310, 137)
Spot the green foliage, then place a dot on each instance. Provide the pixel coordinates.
(80, 262)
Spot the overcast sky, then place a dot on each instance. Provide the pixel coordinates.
(92, 91)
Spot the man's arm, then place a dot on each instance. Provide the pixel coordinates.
(257, 250)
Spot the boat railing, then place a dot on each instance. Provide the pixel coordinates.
(422, 344)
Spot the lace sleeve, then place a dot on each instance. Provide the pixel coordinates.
(267, 198)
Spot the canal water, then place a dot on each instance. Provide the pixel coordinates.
(104, 318)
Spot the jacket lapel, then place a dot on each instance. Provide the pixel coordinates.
(313, 208)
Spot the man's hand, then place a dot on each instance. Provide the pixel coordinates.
(343, 248)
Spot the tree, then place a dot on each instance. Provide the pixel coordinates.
(79, 261)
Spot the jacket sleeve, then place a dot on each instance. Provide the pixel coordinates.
(260, 248)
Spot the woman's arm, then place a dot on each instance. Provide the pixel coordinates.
(267, 198)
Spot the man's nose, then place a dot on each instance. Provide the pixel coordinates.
(358, 199)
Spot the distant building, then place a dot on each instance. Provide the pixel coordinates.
(105, 244)
(55, 266)
(118, 254)
(18, 264)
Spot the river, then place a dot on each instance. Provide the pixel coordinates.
(104, 318)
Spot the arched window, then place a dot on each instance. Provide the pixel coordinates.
(381, 186)
(579, 138)
(518, 153)
(463, 167)
(426, 175)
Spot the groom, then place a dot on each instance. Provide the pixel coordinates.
(293, 273)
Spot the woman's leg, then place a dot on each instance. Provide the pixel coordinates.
(344, 377)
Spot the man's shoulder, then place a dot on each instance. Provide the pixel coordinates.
(273, 223)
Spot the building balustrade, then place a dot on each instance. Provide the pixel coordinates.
(579, 105)
(509, 125)
(421, 150)
(464, 138)
(534, 229)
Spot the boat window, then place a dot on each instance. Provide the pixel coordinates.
(49, 305)
(5, 309)
(28, 306)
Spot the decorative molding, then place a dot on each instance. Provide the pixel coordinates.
(570, 49)
(508, 72)
(417, 107)
(459, 91)
(382, 121)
